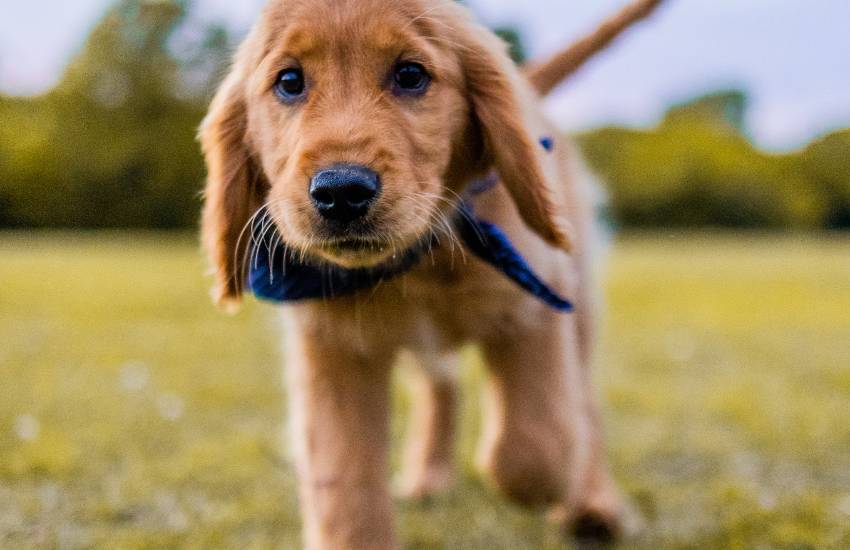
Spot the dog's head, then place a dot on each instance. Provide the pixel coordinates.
(352, 126)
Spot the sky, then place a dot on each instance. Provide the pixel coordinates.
(791, 56)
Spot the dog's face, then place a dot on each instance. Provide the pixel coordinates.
(354, 114)
(353, 125)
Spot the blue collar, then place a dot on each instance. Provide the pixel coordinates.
(276, 275)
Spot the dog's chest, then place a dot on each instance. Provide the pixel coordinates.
(450, 302)
(449, 299)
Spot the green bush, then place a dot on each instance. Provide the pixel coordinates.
(696, 169)
(113, 145)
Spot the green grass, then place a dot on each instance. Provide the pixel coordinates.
(133, 415)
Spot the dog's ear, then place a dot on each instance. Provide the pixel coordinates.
(501, 101)
(233, 188)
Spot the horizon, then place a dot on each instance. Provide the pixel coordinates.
(792, 69)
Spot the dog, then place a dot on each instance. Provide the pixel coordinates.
(357, 136)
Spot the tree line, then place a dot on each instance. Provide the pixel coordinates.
(113, 144)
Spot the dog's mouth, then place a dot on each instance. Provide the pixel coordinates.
(365, 245)
(354, 245)
(352, 253)
(372, 251)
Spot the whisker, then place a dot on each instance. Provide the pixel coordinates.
(241, 258)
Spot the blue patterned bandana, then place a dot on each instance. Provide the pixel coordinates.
(276, 275)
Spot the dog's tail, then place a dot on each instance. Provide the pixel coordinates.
(547, 75)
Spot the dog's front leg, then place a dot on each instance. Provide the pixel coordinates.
(539, 443)
(339, 403)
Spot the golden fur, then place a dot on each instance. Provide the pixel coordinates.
(542, 442)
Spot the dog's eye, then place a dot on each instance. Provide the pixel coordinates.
(411, 78)
(290, 84)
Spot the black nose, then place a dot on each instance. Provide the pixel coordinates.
(344, 192)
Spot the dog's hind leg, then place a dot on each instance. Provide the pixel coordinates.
(428, 458)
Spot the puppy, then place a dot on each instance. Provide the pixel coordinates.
(357, 136)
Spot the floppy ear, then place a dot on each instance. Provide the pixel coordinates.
(232, 193)
(502, 102)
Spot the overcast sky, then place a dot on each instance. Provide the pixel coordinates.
(793, 56)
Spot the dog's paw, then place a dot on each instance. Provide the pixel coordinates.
(600, 523)
(425, 484)
(592, 528)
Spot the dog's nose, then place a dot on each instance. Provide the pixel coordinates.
(344, 192)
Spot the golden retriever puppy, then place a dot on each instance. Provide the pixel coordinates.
(362, 137)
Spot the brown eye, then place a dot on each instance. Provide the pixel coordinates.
(290, 84)
(411, 78)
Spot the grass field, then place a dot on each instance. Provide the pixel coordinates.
(133, 415)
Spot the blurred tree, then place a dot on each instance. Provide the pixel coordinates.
(113, 145)
(722, 108)
(696, 169)
(827, 165)
(203, 64)
(725, 108)
(514, 39)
